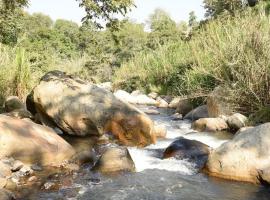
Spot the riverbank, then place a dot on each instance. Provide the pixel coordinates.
(70, 132)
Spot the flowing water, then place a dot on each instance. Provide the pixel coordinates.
(160, 179)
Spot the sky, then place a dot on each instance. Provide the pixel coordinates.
(69, 9)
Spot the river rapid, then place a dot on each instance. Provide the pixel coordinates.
(158, 179)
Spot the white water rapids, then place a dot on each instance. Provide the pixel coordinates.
(144, 158)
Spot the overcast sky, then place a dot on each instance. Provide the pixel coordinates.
(69, 9)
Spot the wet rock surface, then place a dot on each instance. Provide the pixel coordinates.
(193, 150)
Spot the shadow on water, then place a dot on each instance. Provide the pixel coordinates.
(161, 184)
(155, 185)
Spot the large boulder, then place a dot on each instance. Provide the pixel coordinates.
(210, 124)
(218, 103)
(32, 143)
(244, 157)
(135, 98)
(116, 159)
(82, 109)
(192, 150)
(197, 113)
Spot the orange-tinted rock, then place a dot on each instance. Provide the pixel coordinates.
(80, 108)
(32, 143)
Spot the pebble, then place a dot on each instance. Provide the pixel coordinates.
(17, 165)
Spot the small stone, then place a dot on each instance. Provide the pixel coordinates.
(49, 185)
(151, 112)
(177, 116)
(153, 95)
(162, 103)
(36, 167)
(26, 171)
(32, 179)
(58, 131)
(17, 165)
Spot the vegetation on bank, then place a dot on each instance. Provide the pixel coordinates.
(229, 48)
(231, 51)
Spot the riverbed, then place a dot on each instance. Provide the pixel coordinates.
(159, 179)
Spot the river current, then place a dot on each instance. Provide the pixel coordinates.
(158, 179)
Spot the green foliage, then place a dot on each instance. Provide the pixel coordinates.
(163, 29)
(22, 78)
(13, 4)
(130, 38)
(232, 52)
(215, 8)
(104, 9)
(10, 26)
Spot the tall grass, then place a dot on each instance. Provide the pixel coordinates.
(232, 52)
(18, 75)
(22, 77)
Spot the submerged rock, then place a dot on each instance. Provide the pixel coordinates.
(32, 143)
(244, 157)
(197, 113)
(116, 159)
(193, 150)
(82, 109)
(210, 124)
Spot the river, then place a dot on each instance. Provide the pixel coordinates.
(158, 179)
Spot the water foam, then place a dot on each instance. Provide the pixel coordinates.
(144, 160)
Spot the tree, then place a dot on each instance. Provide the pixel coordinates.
(218, 7)
(13, 4)
(215, 8)
(163, 29)
(130, 38)
(104, 9)
(95, 9)
(10, 26)
(192, 21)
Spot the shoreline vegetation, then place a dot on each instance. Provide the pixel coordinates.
(179, 59)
